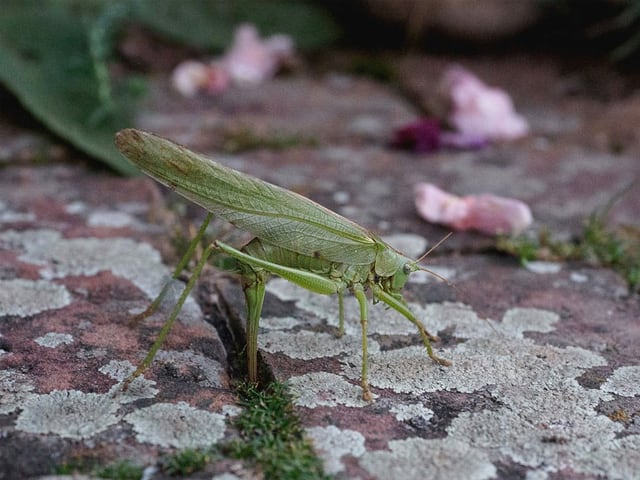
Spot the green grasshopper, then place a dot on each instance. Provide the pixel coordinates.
(295, 238)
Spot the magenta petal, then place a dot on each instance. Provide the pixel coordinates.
(421, 136)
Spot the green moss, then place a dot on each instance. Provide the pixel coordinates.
(122, 470)
(189, 461)
(618, 248)
(72, 467)
(541, 247)
(271, 435)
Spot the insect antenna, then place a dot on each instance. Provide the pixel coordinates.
(439, 277)
(445, 280)
(440, 242)
(431, 272)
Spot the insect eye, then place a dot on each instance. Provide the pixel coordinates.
(406, 268)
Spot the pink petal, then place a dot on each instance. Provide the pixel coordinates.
(251, 60)
(218, 79)
(494, 215)
(478, 109)
(438, 206)
(189, 77)
(485, 213)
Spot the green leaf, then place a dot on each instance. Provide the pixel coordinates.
(210, 23)
(46, 62)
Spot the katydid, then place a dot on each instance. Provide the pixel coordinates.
(295, 238)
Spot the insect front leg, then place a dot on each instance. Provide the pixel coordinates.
(341, 313)
(400, 307)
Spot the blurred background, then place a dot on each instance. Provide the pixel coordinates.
(80, 67)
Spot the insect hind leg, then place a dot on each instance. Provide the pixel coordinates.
(253, 286)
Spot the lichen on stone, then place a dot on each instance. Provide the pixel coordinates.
(139, 388)
(111, 218)
(331, 444)
(543, 418)
(307, 345)
(279, 323)
(324, 389)
(15, 388)
(418, 458)
(177, 425)
(404, 412)
(433, 273)
(543, 268)
(410, 244)
(624, 381)
(118, 369)
(59, 257)
(68, 413)
(23, 298)
(8, 215)
(54, 339)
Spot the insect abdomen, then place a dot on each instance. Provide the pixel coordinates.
(288, 258)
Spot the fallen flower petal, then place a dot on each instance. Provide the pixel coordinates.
(218, 79)
(438, 206)
(425, 135)
(479, 109)
(191, 77)
(485, 213)
(251, 60)
(495, 215)
(420, 136)
(463, 141)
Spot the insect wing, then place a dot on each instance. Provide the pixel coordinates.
(272, 213)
